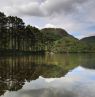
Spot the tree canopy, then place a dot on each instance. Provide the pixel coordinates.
(16, 37)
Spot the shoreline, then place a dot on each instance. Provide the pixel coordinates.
(22, 53)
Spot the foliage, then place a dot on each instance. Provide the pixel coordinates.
(90, 41)
(15, 36)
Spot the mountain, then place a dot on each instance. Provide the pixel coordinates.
(56, 31)
(58, 40)
(53, 34)
(89, 40)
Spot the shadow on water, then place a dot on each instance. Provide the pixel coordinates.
(15, 71)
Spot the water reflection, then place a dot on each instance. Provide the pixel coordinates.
(72, 85)
(15, 71)
(20, 73)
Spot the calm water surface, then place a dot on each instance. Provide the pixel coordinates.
(58, 75)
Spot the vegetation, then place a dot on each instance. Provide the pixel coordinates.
(16, 37)
(14, 72)
(90, 41)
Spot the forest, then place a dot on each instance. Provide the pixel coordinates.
(16, 37)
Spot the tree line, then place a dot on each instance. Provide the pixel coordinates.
(15, 36)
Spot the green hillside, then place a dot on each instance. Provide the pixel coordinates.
(58, 40)
(16, 37)
(89, 40)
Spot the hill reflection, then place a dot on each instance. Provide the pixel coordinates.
(15, 71)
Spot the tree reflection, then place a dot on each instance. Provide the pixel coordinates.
(14, 71)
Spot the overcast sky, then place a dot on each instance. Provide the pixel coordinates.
(75, 16)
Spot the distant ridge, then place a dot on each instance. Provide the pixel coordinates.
(89, 40)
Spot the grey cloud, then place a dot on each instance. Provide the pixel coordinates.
(43, 7)
(21, 8)
(65, 6)
(73, 15)
(32, 9)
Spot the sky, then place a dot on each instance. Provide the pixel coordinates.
(77, 17)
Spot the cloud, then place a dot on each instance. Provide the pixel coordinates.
(43, 7)
(30, 9)
(50, 26)
(72, 15)
(64, 6)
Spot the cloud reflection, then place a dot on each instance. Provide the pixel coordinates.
(79, 82)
